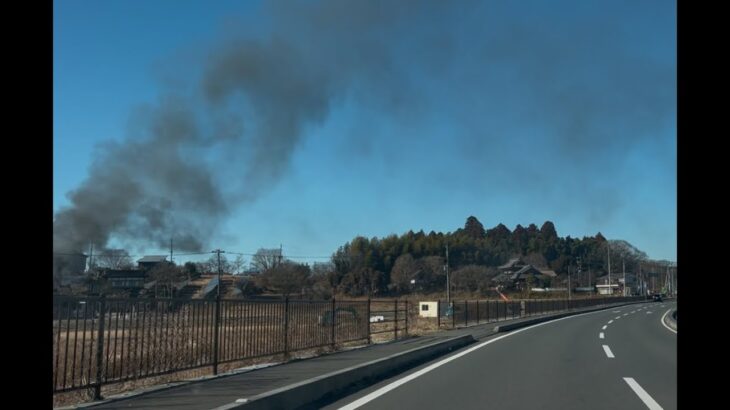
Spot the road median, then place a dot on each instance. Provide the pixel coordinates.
(335, 383)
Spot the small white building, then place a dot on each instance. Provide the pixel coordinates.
(428, 309)
(608, 289)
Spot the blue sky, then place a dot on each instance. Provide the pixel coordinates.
(424, 114)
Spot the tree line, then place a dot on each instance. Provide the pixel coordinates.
(412, 262)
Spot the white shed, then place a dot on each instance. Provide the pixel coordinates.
(428, 309)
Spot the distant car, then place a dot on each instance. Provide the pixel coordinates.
(657, 298)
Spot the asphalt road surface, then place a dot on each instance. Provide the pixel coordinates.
(620, 358)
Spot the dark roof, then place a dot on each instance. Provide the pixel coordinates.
(512, 263)
(124, 273)
(153, 258)
(526, 270)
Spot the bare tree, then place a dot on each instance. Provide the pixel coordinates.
(211, 265)
(114, 259)
(266, 259)
(404, 270)
(166, 274)
(287, 277)
(237, 265)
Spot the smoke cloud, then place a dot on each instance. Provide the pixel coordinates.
(197, 157)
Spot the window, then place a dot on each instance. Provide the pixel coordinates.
(424, 307)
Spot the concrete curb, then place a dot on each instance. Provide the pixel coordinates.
(328, 385)
(530, 322)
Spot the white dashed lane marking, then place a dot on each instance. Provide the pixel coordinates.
(643, 395)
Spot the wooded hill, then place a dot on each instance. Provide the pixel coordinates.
(389, 265)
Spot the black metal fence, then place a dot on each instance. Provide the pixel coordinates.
(389, 316)
(471, 312)
(98, 341)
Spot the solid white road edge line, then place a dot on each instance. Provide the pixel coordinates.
(385, 389)
(664, 324)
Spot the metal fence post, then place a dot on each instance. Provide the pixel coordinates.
(477, 311)
(396, 319)
(407, 312)
(216, 332)
(369, 338)
(286, 327)
(333, 322)
(100, 348)
(453, 314)
(466, 313)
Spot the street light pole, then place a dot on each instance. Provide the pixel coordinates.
(448, 282)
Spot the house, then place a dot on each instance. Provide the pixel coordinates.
(150, 261)
(517, 275)
(512, 265)
(125, 278)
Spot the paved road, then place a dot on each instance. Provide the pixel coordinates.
(556, 365)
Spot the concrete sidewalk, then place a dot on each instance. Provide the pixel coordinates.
(358, 366)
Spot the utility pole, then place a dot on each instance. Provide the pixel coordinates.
(643, 282)
(171, 249)
(623, 264)
(281, 253)
(91, 256)
(218, 251)
(448, 283)
(590, 293)
(568, 282)
(216, 335)
(608, 251)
